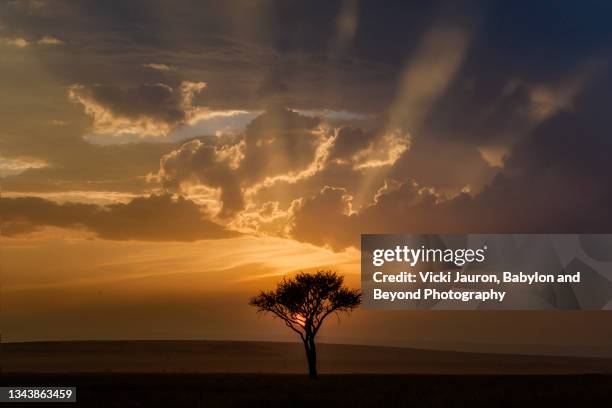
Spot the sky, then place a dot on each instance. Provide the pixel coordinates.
(161, 162)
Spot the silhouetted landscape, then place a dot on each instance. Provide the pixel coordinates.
(224, 373)
(206, 169)
(273, 358)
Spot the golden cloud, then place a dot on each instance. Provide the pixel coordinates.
(157, 67)
(16, 42)
(49, 40)
(148, 110)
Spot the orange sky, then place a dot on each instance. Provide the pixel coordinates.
(67, 284)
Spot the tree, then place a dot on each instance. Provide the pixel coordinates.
(304, 301)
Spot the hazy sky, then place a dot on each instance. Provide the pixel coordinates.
(162, 161)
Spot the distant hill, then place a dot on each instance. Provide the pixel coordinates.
(269, 357)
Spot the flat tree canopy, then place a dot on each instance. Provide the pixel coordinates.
(304, 301)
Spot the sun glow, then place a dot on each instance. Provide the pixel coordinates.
(301, 320)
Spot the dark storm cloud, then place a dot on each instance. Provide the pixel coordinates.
(150, 109)
(281, 46)
(465, 85)
(556, 180)
(444, 165)
(343, 55)
(359, 160)
(290, 51)
(350, 141)
(156, 100)
(153, 218)
(26, 214)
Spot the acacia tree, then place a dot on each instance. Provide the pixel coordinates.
(304, 301)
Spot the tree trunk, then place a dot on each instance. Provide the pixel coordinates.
(311, 356)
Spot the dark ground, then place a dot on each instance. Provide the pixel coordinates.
(239, 357)
(269, 390)
(211, 374)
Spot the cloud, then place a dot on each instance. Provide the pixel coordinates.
(213, 166)
(546, 99)
(73, 164)
(280, 155)
(350, 141)
(385, 150)
(278, 143)
(354, 58)
(445, 165)
(10, 166)
(157, 67)
(322, 220)
(147, 110)
(266, 218)
(493, 110)
(368, 148)
(435, 105)
(506, 206)
(18, 42)
(556, 180)
(49, 40)
(284, 156)
(153, 218)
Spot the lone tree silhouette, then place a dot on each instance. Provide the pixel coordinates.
(304, 301)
